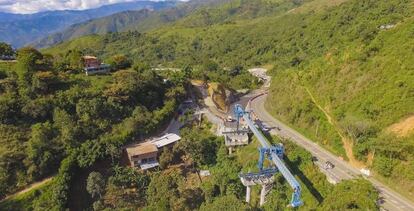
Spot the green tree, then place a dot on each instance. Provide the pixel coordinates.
(200, 146)
(229, 202)
(384, 165)
(120, 62)
(68, 129)
(95, 185)
(10, 105)
(12, 152)
(209, 65)
(29, 61)
(190, 199)
(188, 71)
(43, 152)
(356, 194)
(141, 67)
(163, 188)
(74, 59)
(133, 88)
(39, 109)
(44, 82)
(166, 158)
(6, 49)
(126, 189)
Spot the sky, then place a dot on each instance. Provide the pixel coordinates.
(33, 6)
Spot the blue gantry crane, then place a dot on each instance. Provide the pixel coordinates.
(273, 153)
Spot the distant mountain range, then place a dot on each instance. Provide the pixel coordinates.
(113, 23)
(20, 30)
(142, 20)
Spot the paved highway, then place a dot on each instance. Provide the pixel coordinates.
(342, 170)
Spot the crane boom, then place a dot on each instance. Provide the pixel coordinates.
(296, 196)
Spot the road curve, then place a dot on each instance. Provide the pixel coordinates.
(392, 200)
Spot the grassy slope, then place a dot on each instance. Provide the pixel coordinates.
(364, 86)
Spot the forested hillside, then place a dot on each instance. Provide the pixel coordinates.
(342, 69)
(54, 122)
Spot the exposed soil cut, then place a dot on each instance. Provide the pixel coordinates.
(403, 128)
(347, 142)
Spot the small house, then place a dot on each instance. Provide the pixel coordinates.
(143, 156)
(94, 66)
(91, 61)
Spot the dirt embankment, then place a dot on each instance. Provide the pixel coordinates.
(403, 128)
(220, 96)
(347, 142)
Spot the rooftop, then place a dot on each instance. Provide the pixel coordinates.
(141, 149)
(90, 57)
(165, 140)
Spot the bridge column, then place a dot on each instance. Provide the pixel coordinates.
(262, 195)
(266, 187)
(248, 192)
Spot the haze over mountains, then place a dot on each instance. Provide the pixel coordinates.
(23, 29)
(141, 20)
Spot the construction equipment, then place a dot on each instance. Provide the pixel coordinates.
(274, 154)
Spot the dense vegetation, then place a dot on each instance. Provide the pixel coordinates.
(179, 187)
(342, 74)
(52, 120)
(6, 50)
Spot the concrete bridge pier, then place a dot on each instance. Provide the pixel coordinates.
(232, 138)
(248, 193)
(266, 187)
(264, 179)
(230, 150)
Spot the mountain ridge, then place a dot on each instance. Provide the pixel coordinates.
(131, 21)
(20, 30)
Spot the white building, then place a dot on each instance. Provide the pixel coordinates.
(166, 140)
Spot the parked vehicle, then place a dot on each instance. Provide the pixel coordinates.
(365, 172)
(265, 128)
(229, 119)
(329, 165)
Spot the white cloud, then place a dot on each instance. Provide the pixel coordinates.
(33, 6)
